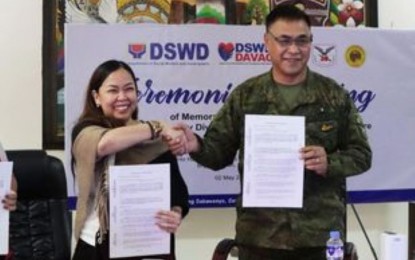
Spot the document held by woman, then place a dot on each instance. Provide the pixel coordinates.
(136, 193)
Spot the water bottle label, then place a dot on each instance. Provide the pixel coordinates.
(334, 251)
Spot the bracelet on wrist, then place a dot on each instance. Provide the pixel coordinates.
(158, 128)
(151, 129)
(155, 128)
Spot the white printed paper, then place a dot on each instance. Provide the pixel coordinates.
(273, 170)
(137, 192)
(5, 186)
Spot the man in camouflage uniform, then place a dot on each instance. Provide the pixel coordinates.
(336, 144)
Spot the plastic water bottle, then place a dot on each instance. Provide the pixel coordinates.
(334, 247)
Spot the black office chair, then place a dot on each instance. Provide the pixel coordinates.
(227, 245)
(40, 228)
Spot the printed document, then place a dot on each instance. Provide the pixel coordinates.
(5, 186)
(136, 193)
(273, 170)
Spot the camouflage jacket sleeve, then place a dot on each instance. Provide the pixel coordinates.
(354, 155)
(222, 138)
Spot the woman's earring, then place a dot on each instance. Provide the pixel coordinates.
(97, 105)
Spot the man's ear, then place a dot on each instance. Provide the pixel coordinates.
(267, 40)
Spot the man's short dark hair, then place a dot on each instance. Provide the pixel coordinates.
(286, 12)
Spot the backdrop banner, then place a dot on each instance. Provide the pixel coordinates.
(186, 72)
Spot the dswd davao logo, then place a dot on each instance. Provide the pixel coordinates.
(243, 53)
(225, 50)
(355, 56)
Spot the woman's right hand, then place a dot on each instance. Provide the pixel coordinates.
(185, 143)
(170, 131)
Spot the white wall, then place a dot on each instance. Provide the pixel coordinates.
(398, 14)
(21, 126)
(20, 73)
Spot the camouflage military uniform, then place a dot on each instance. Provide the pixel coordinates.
(332, 121)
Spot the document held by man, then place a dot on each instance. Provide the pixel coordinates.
(6, 169)
(136, 193)
(273, 170)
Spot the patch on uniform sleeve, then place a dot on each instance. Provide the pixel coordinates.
(325, 127)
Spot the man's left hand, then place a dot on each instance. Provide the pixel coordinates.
(315, 159)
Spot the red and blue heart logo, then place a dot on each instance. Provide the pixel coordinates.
(226, 50)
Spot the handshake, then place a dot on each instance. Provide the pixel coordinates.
(180, 139)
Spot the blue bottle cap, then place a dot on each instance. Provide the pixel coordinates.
(335, 234)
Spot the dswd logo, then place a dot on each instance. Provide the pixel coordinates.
(179, 51)
(137, 50)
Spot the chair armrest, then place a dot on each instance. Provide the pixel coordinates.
(223, 248)
(350, 252)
